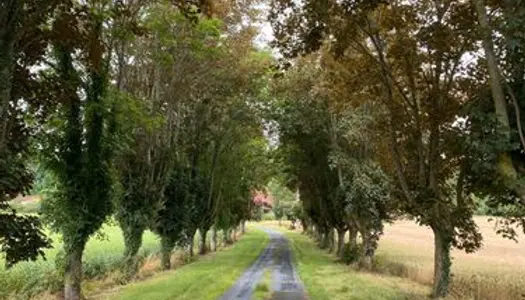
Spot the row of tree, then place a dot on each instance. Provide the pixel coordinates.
(142, 110)
(402, 108)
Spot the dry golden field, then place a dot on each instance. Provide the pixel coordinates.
(495, 272)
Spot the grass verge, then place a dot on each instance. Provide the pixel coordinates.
(102, 262)
(326, 279)
(205, 279)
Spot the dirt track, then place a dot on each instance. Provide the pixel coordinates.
(277, 256)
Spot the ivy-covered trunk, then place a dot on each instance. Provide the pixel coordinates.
(214, 238)
(331, 240)
(73, 271)
(190, 243)
(325, 241)
(166, 247)
(442, 262)
(227, 238)
(318, 235)
(243, 227)
(368, 250)
(133, 242)
(85, 179)
(340, 242)
(202, 241)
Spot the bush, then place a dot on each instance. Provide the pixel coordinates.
(269, 216)
(352, 253)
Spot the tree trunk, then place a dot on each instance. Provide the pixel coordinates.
(505, 166)
(331, 240)
(7, 43)
(340, 242)
(325, 244)
(202, 241)
(498, 95)
(353, 237)
(243, 227)
(234, 234)
(190, 244)
(442, 263)
(73, 272)
(226, 233)
(132, 242)
(166, 247)
(214, 238)
(304, 225)
(368, 250)
(318, 235)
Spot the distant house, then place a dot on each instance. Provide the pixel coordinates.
(263, 199)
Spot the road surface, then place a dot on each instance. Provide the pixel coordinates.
(277, 256)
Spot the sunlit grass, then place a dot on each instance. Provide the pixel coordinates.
(496, 272)
(324, 278)
(208, 278)
(263, 288)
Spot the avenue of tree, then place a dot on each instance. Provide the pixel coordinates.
(164, 116)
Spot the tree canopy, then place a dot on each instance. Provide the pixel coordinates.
(166, 116)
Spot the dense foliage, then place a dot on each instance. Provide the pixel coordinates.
(151, 117)
(392, 100)
(165, 116)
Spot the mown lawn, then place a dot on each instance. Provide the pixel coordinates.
(325, 279)
(208, 278)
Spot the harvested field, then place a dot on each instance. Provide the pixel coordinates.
(497, 271)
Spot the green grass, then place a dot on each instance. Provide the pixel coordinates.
(26, 208)
(262, 289)
(103, 254)
(207, 278)
(324, 278)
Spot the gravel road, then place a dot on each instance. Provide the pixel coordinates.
(277, 256)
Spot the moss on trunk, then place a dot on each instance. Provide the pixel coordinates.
(73, 271)
(442, 263)
(132, 242)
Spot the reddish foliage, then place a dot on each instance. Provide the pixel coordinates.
(261, 198)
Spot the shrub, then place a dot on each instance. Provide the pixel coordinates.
(351, 253)
(269, 216)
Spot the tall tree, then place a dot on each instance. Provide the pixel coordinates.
(81, 149)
